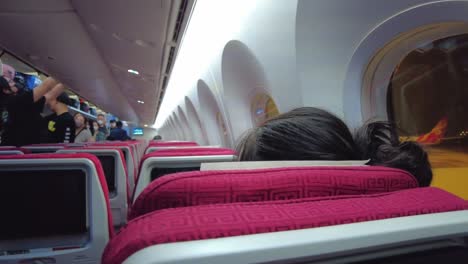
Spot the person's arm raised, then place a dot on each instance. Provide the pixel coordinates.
(56, 91)
(43, 88)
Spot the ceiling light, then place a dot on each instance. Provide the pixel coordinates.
(141, 43)
(133, 71)
(140, 102)
(145, 125)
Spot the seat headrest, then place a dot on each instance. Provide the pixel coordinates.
(230, 186)
(224, 220)
(172, 143)
(177, 152)
(242, 165)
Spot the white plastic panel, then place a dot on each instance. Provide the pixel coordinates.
(333, 244)
(118, 202)
(245, 165)
(97, 215)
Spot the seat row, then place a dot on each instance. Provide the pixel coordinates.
(240, 206)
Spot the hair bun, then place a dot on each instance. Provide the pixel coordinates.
(378, 142)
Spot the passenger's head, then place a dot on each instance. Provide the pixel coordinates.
(119, 124)
(310, 133)
(60, 104)
(8, 72)
(93, 126)
(80, 120)
(101, 119)
(157, 137)
(112, 123)
(7, 87)
(302, 134)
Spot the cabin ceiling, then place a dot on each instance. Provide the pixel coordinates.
(90, 45)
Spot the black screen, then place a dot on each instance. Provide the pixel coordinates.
(42, 204)
(158, 172)
(45, 150)
(108, 165)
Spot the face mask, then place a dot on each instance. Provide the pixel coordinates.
(100, 122)
(78, 123)
(95, 128)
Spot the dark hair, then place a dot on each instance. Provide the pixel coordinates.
(309, 133)
(64, 99)
(112, 121)
(91, 126)
(119, 124)
(379, 142)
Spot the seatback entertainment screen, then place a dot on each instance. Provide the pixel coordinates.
(42, 204)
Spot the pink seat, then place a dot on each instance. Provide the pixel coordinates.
(167, 144)
(132, 166)
(224, 220)
(134, 159)
(186, 152)
(92, 158)
(124, 162)
(24, 150)
(176, 152)
(172, 143)
(211, 187)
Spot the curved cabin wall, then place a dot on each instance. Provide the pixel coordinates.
(334, 54)
(195, 123)
(267, 30)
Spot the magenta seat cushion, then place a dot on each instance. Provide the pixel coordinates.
(235, 219)
(211, 187)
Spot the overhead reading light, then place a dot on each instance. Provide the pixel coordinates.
(140, 102)
(133, 71)
(145, 125)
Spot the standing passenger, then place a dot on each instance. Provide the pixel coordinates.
(21, 110)
(102, 132)
(8, 72)
(61, 125)
(112, 125)
(82, 133)
(93, 128)
(118, 133)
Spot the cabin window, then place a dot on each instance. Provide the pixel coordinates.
(263, 108)
(427, 99)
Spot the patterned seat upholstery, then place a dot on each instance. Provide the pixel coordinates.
(237, 219)
(211, 187)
